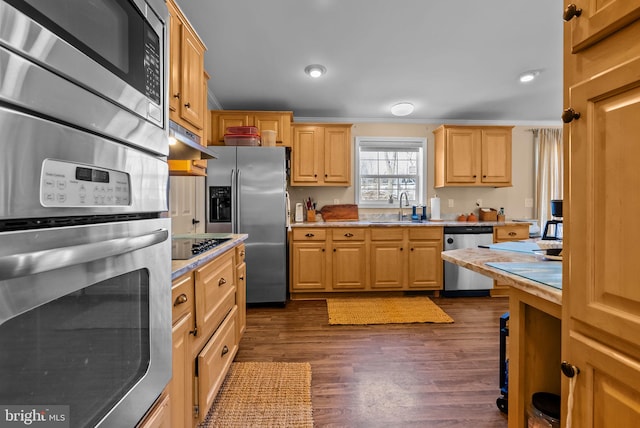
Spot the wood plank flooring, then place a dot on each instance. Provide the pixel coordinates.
(394, 375)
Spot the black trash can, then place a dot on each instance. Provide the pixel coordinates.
(503, 401)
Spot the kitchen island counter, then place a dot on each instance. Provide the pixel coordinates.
(535, 310)
(180, 267)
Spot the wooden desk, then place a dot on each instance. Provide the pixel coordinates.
(534, 327)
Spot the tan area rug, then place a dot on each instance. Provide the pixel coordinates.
(385, 310)
(263, 394)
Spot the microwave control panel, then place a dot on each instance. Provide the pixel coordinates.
(68, 184)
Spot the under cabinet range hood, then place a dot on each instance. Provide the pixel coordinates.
(185, 145)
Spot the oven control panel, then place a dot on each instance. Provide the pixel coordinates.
(68, 184)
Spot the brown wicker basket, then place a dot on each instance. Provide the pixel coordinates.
(490, 214)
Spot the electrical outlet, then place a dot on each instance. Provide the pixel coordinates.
(528, 203)
(479, 202)
(451, 203)
(336, 201)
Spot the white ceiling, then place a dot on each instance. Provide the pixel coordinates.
(456, 61)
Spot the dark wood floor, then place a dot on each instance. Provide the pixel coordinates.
(395, 375)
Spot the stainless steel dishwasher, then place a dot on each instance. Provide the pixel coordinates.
(459, 281)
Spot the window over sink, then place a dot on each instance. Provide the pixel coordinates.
(388, 166)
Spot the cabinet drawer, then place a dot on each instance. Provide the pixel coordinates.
(215, 293)
(387, 234)
(315, 234)
(427, 233)
(240, 253)
(182, 296)
(214, 361)
(510, 233)
(348, 234)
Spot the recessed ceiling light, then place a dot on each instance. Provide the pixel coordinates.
(528, 76)
(402, 109)
(315, 70)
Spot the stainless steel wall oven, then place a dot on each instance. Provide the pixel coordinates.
(85, 252)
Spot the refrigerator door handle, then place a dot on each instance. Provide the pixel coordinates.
(234, 197)
(238, 215)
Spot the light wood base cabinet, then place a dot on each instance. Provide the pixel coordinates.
(345, 259)
(506, 234)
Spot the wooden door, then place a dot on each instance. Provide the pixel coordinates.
(182, 204)
(306, 153)
(425, 265)
(496, 156)
(462, 155)
(309, 266)
(181, 385)
(337, 156)
(599, 19)
(348, 266)
(191, 105)
(387, 264)
(175, 37)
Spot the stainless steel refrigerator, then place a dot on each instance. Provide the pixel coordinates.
(246, 188)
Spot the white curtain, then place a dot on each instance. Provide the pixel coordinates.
(549, 170)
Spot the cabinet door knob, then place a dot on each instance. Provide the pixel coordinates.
(325, 176)
(474, 176)
(188, 105)
(242, 253)
(348, 235)
(323, 250)
(176, 95)
(569, 115)
(180, 299)
(225, 350)
(334, 250)
(222, 281)
(512, 234)
(411, 249)
(309, 235)
(569, 370)
(401, 249)
(571, 12)
(241, 277)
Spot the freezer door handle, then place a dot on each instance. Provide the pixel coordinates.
(238, 215)
(234, 199)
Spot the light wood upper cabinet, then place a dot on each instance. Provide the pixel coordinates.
(600, 293)
(186, 68)
(321, 155)
(472, 156)
(597, 20)
(279, 121)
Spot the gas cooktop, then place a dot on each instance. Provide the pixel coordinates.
(184, 247)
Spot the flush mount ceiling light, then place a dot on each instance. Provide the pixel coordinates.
(315, 70)
(401, 109)
(528, 76)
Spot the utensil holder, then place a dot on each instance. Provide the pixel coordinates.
(311, 215)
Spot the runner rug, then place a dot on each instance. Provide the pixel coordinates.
(385, 310)
(263, 394)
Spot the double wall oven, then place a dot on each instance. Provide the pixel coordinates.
(85, 252)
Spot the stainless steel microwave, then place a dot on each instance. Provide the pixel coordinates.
(99, 65)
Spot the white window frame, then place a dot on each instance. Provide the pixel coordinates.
(395, 143)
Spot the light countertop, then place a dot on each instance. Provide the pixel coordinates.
(391, 223)
(476, 259)
(180, 267)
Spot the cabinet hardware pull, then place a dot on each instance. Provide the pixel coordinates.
(334, 250)
(194, 331)
(571, 12)
(569, 370)
(484, 176)
(512, 234)
(180, 299)
(569, 115)
(225, 350)
(309, 235)
(401, 248)
(242, 253)
(241, 278)
(315, 175)
(323, 250)
(222, 281)
(348, 235)
(411, 249)
(325, 176)
(188, 105)
(474, 176)
(176, 95)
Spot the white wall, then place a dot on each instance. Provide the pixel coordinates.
(511, 198)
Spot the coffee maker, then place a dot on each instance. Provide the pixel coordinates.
(553, 227)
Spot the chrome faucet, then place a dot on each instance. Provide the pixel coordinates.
(401, 215)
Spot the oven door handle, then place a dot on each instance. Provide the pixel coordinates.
(24, 264)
